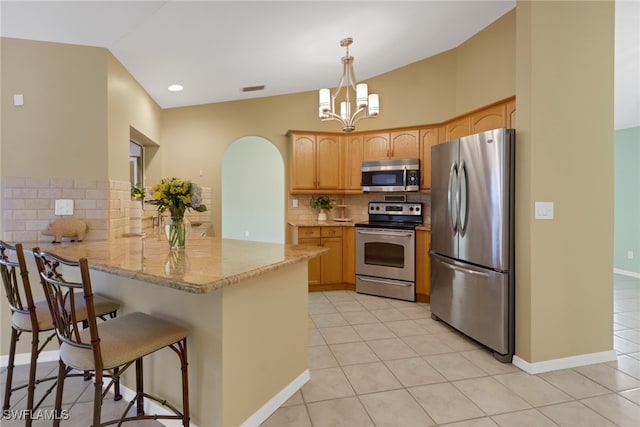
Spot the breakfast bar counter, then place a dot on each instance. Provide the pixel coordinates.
(244, 303)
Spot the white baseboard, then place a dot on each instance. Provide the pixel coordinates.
(276, 401)
(627, 273)
(25, 358)
(565, 362)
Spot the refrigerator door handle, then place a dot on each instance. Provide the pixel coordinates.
(452, 199)
(464, 270)
(463, 199)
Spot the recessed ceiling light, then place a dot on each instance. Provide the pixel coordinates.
(175, 88)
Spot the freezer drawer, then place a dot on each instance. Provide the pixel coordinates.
(474, 300)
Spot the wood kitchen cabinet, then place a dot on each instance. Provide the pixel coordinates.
(332, 162)
(376, 146)
(493, 117)
(404, 144)
(353, 153)
(326, 271)
(428, 138)
(315, 164)
(398, 144)
(423, 266)
(511, 114)
(349, 255)
(310, 236)
(455, 129)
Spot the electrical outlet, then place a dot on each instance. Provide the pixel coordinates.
(63, 207)
(294, 203)
(629, 254)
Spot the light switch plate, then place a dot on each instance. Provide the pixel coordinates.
(544, 210)
(64, 207)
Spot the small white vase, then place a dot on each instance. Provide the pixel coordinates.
(322, 216)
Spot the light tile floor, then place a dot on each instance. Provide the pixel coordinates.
(386, 363)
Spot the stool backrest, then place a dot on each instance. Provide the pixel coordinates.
(63, 301)
(18, 292)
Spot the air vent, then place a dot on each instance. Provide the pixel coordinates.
(252, 88)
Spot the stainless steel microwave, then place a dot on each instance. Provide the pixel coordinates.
(391, 175)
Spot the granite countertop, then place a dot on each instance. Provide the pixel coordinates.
(207, 263)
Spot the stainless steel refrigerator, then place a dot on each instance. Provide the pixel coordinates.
(472, 238)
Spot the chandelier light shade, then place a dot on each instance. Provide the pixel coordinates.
(366, 105)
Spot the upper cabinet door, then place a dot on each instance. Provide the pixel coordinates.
(404, 144)
(489, 119)
(428, 138)
(328, 162)
(303, 162)
(353, 155)
(456, 129)
(376, 146)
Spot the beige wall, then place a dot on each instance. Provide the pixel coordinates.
(128, 106)
(61, 131)
(564, 93)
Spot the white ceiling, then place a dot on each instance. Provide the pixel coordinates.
(215, 48)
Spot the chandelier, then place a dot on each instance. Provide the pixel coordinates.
(366, 106)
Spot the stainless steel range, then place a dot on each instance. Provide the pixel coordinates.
(386, 250)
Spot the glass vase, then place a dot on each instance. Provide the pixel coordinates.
(177, 230)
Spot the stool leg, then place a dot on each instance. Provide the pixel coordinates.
(97, 398)
(62, 373)
(31, 388)
(10, 366)
(139, 387)
(185, 382)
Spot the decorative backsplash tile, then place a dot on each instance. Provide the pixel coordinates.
(356, 206)
(105, 206)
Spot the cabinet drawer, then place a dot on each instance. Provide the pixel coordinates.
(308, 232)
(331, 231)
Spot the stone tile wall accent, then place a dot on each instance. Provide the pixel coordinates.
(28, 206)
(105, 206)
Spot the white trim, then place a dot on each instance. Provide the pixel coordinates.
(627, 273)
(276, 401)
(565, 362)
(25, 358)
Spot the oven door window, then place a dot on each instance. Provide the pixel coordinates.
(384, 254)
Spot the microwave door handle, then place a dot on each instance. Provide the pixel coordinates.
(404, 177)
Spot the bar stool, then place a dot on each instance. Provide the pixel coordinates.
(113, 346)
(33, 317)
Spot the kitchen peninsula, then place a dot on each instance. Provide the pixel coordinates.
(245, 304)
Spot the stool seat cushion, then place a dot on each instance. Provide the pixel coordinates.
(123, 339)
(22, 321)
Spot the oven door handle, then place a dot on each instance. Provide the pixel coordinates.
(386, 233)
(386, 282)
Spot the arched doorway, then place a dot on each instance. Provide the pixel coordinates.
(253, 191)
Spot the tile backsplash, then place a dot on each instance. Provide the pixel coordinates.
(105, 206)
(356, 206)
